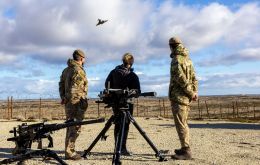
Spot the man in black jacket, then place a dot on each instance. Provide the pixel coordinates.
(123, 77)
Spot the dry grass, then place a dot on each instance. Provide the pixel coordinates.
(241, 108)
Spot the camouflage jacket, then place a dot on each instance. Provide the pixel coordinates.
(183, 82)
(73, 83)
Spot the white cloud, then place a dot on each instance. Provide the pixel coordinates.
(245, 26)
(244, 55)
(141, 27)
(6, 59)
(40, 86)
(227, 81)
(198, 27)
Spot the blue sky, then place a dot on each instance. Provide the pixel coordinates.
(37, 38)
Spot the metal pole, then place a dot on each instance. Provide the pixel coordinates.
(11, 107)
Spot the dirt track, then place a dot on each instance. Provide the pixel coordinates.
(212, 142)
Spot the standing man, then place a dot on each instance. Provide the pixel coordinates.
(183, 89)
(73, 88)
(123, 77)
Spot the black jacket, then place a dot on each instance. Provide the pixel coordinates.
(122, 78)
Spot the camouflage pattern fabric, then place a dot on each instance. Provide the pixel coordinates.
(180, 116)
(73, 83)
(73, 87)
(183, 83)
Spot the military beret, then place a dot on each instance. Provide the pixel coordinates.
(79, 52)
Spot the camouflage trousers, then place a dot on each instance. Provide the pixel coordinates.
(180, 116)
(73, 111)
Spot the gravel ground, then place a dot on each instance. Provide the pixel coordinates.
(212, 142)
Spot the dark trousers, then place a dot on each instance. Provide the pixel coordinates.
(118, 123)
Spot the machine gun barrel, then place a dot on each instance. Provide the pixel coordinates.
(35, 131)
(147, 94)
(70, 123)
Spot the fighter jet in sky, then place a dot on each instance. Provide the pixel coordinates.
(100, 22)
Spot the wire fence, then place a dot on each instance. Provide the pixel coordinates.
(207, 107)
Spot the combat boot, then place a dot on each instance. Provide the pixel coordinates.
(182, 150)
(75, 156)
(182, 154)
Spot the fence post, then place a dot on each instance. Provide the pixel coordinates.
(254, 111)
(199, 108)
(8, 108)
(228, 111)
(233, 109)
(207, 108)
(167, 112)
(40, 108)
(137, 110)
(160, 107)
(98, 110)
(147, 111)
(220, 109)
(11, 107)
(237, 109)
(247, 113)
(163, 109)
(105, 112)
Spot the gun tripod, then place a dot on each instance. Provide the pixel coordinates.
(125, 114)
(45, 153)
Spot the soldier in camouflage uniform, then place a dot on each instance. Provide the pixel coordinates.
(182, 90)
(73, 88)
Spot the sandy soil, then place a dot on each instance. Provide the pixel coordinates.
(212, 142)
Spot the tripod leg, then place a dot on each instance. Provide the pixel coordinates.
(43, 153)
(157, 152)
(53, 155)
(102, 133)
(119, 140)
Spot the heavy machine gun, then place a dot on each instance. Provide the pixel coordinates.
(119, 100)
(25, 135)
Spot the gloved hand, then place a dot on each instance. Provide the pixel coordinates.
(133, 93)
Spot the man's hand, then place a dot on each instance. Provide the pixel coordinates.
(195, 96)
(63, 101)
(133, 92)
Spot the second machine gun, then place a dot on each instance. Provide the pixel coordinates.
(119, 100)
(25, 135)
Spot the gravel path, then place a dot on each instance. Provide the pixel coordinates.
(212, 142)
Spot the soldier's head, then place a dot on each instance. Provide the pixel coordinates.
(79, 56)
(128, 60)
(174, 42)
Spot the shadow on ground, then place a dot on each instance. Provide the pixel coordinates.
(220, 126)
